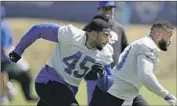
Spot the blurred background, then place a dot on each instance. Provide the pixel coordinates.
(136, 18)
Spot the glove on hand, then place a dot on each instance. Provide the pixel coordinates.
(14, 56)
(171, 100)
(99, 69)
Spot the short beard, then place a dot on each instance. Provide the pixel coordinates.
(99, 48)
(163, 45)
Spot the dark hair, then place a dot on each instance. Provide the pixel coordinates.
(98, 23)
(162, 24)
(101, 17)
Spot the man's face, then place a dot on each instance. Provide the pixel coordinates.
(102, 38)
(165, 38)
(107, 11)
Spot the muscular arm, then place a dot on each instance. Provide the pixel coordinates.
(45, 31)
(146, 75)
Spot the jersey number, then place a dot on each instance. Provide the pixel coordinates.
(123, 59)
(74, 59)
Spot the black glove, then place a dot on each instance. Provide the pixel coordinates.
(14, 56)
(92, 75)
(97, 67)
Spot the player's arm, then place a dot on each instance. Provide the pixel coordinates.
(146, 75)
(108, 69)
(145, 71)
(44, 31)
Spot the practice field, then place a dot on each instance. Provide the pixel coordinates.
(40, 51)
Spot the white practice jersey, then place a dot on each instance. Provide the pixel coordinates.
(72, 59)
(136, 68)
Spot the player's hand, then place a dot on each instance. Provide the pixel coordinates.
(171, 100)
(14, 56)
(99, 69)
(92, 75)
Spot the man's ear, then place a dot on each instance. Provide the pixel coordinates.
(95, 35)
(158, 35)
(91, 35)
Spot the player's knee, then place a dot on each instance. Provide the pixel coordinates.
(26, 77)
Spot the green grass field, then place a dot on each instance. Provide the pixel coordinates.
(170, 84)
(39, 52)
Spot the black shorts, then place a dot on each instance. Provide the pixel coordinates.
(102, 98)
(16, 72)
(54, 94)
(11, 67)
(140, 101)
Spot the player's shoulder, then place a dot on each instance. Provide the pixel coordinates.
(106, 54)
(147, 46)
(118, 28)
(149, 43)
(70, 32)
(108, 49)
(70, 29)
(118, 25)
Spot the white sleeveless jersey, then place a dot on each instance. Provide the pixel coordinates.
(72, 59)
(127, 83)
